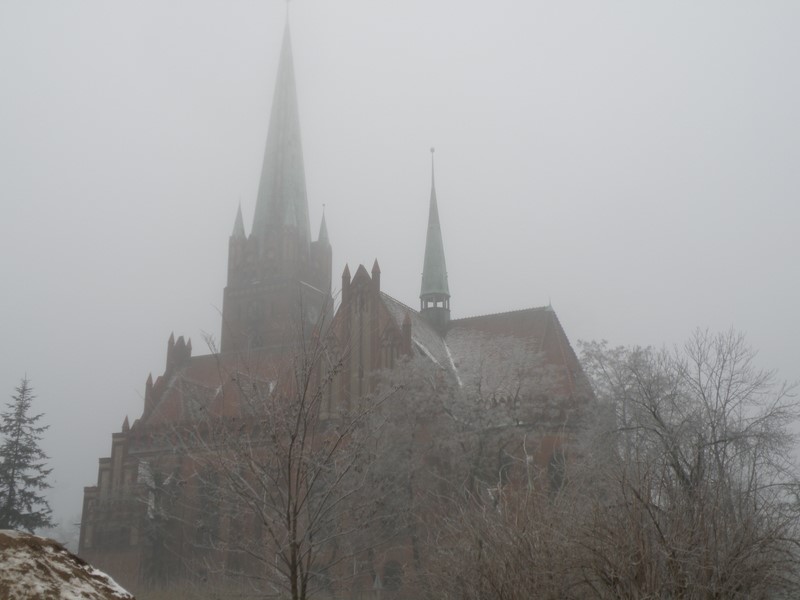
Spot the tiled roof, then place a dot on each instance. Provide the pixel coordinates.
(504, 349)
(503, 354)
(500, 356)
(424, 337)
(213, 384)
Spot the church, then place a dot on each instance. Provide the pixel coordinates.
(279, 291)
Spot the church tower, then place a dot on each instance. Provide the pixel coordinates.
(279, 280)
(435, 293)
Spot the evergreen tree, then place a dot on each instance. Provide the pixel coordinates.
(23, 472)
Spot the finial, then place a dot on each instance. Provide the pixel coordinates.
(433, 177)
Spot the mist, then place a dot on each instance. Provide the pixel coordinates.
(634, 165)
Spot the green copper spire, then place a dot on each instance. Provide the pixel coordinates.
(434, 270)
(282, 198)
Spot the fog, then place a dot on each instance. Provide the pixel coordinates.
(634, 164)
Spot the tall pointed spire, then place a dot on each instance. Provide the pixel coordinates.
(434, 271)
(435, 293)
(282, 198)
(279, 281)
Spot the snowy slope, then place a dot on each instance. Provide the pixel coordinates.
(35, 568)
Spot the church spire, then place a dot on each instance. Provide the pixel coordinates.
(434, 271)
(279, 281)
(282, 202)
(435, 293)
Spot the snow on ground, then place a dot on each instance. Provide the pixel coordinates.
(35, 568)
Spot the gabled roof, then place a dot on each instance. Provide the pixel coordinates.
(213, 385)
(282, 197)
(501, 347)
(500, 356)
(499, 352)
(424, 338)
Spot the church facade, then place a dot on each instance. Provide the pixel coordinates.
(278, 291)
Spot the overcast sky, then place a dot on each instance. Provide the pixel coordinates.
(633, 163)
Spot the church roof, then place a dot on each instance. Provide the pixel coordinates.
(282, 197)
(425, 339)
(496, 351)
(434, 270)
(212, 386)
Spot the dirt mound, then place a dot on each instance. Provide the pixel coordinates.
(35, 568)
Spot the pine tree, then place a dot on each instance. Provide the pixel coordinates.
(23, 472)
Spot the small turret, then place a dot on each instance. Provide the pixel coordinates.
(322, 258)
(323, 231)
(178, 353)
(376, 276)
(170, 349)
(148, 394)
(346, 285)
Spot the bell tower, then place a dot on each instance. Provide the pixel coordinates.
(279, 280)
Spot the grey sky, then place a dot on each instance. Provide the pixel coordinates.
(634, 163)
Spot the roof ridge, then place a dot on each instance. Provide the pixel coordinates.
(546, 308)
(401, 303)
(505, 312)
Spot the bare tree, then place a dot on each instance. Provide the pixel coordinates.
(278, 495)
(486, 462)
(681, 484)
(701, 500)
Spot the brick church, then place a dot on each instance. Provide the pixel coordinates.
(278, 290)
